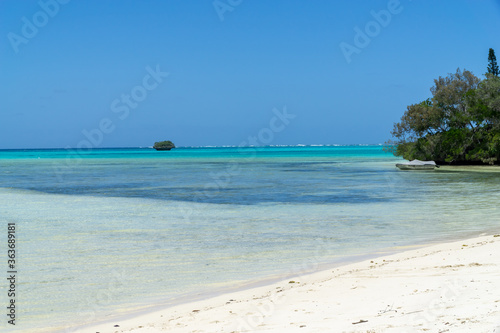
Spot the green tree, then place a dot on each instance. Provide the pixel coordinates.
(164, 145)
(484, 102)
(447, 109)
(492, 63)
(460, 124)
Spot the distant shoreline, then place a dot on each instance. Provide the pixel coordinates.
(191, 147)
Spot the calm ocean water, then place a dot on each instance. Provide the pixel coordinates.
(115, 230)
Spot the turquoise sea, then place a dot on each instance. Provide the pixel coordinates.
(108, 231)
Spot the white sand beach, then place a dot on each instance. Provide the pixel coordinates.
(449, 287)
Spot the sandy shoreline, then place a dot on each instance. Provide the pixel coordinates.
(449, 287)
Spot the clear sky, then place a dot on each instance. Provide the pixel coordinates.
(94, 73)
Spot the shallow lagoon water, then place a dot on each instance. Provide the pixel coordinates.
(114, 230)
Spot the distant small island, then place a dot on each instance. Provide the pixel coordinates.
(164, 145)
(459, 125)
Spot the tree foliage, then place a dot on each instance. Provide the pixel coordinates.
(164, 145)
(460, 124)
(492, 63)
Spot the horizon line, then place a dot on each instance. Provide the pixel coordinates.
(207, 146)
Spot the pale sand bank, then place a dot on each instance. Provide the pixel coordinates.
(469, 168)
(451, 287)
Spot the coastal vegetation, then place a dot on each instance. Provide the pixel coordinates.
(492, 63)
(459, 124)
(164, 145)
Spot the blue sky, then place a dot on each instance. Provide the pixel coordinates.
(76, 71)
